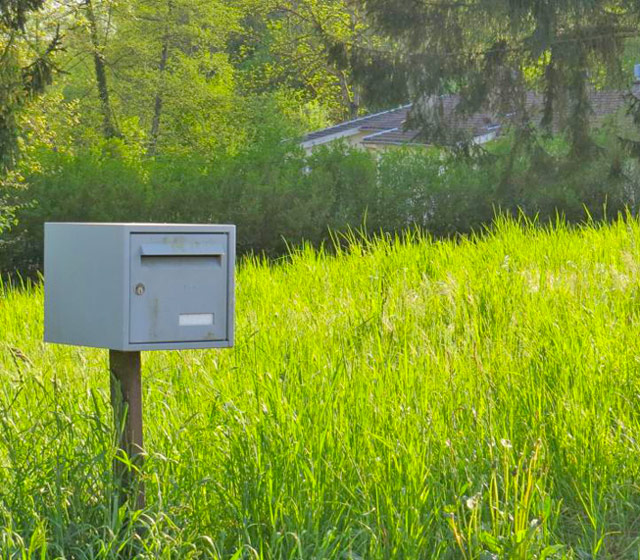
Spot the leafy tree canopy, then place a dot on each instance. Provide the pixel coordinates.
(14, 12)
(25, 70)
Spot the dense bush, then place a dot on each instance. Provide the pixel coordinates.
(274, 195)
(447, 194)
(277, 194)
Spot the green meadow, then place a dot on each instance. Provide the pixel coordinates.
(395, 399)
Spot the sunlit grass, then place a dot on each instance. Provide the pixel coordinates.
(401, 400)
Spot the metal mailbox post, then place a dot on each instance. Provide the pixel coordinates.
(133, 287)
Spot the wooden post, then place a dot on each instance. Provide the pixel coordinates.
(126, 399)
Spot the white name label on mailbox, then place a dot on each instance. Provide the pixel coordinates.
(196, 319)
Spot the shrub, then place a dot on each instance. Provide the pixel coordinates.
(272, 191)
(277, 194)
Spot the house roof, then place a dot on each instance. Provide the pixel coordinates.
(379, 121)
(394, 136)
(388, 127)
(476, 125)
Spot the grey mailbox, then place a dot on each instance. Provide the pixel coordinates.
(136, 287)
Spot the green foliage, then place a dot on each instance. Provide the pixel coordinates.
(277, 194)
(270, 189)
(25, 71)
(470, 399)
(434, 191)
(176, 76)
(447, 195)
(9, 102)
(309, 47)
(13, 13)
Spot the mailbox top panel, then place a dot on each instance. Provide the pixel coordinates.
(148, 228)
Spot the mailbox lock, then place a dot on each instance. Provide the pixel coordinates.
(139, 289)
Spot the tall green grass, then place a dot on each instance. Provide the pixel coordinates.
(477, 399)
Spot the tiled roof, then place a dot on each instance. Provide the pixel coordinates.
(476, 125)
(377, 121)
(393, 136)
(386, 121)
(603, 102)
(388, 127)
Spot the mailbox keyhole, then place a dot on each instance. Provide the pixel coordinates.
(139, 289)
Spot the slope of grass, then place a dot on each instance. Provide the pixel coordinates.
(478, 399)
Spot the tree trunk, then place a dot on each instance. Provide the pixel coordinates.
(109, 129)
(355, 102)
(351, 98)
(162, 67)
(580, 109)
(549, 98)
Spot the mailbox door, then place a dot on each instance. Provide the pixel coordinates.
(179, 287)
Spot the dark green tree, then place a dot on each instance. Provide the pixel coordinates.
(507, 57)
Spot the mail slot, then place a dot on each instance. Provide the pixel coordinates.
(139, 286)
(167, 250)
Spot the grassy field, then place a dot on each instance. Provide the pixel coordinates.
(478, 400)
